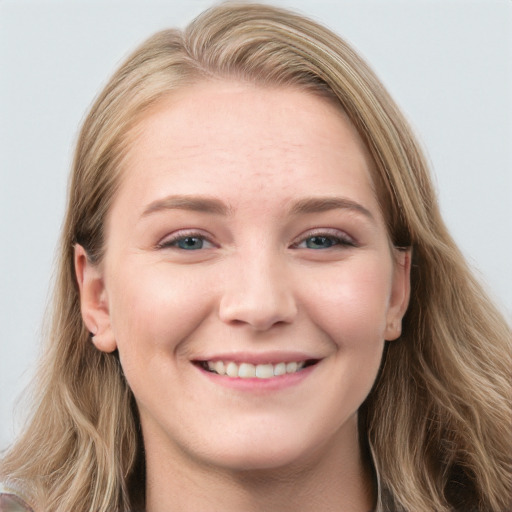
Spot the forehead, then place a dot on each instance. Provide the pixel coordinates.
(264, 137)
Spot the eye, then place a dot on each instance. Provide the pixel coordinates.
(325, 240)
(189, 243)
(320, 242)
(186, 242)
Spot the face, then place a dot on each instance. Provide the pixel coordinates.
(248, 281)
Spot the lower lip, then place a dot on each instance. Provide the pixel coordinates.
(259, 385)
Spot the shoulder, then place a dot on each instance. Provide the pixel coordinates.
(11, 500)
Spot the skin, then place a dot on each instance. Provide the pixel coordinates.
(272, 274)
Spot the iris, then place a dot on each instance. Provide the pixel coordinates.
(321, 242)
(190, 243)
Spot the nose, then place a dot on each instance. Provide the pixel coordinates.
(257, 293)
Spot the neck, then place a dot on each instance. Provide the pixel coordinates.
(333, 479)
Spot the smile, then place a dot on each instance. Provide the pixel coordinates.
(251, 371)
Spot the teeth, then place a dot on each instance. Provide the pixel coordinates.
(264, 371)
(248, 370)
(291, 367)
(220, 368)
(279, 369)
(232, 369)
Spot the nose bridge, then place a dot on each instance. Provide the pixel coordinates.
(257, 290)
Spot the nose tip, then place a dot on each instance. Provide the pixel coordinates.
(260, 318)
(258, 300)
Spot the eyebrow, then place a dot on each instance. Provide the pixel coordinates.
(324, 204)
(211, 205)
(191, 203)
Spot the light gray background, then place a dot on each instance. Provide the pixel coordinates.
(447, 62)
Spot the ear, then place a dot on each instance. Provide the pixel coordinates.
(94, 301)
(400, 293)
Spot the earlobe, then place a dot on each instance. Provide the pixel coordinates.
(93, 301)
(400, 294)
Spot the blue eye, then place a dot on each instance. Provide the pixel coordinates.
(321, 242)
(189, 243)
(325, 241)
(185, 242)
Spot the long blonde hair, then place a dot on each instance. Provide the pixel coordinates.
(438, 419)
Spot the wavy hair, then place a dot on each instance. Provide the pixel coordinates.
(438, 419)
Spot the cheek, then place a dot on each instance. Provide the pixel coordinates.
(155, 309)
(352, 304)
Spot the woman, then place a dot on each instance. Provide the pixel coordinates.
(258, 306)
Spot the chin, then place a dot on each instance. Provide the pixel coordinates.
(270, 455)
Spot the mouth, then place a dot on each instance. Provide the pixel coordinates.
(245, 370)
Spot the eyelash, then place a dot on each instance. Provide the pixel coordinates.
(336, 239)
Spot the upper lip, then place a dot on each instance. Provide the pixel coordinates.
(258, 358)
